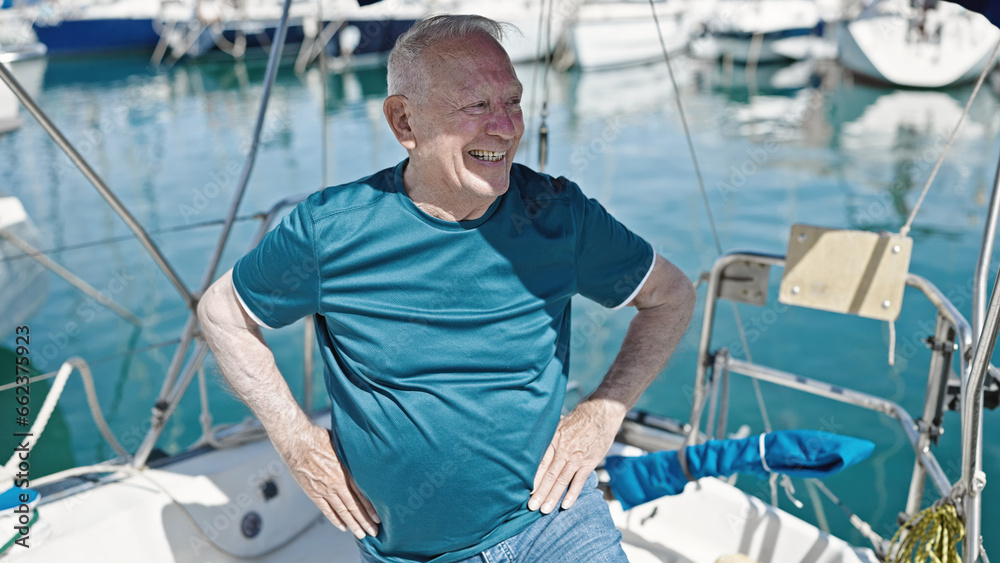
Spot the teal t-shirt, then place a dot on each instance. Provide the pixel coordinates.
(446, 344)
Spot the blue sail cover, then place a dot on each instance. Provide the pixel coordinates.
(797, 453)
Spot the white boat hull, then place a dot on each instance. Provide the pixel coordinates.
(9, 119)
(712, 519)
(530, 44)
(764, 31)
(882, 47)
(623, 34)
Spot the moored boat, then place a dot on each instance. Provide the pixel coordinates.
(78, 28)
(917, 47)
(762, 31)
(616, 34)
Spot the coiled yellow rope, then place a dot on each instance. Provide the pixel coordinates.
(933, 536)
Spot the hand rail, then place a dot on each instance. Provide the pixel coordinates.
(973, 478)
(974, 367)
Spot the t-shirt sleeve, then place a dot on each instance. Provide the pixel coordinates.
(612, 262)
(278, 281)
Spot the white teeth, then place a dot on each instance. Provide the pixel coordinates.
(488, 155)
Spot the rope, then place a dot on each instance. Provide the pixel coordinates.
(933, 533)
(207, 435)
(8, 470)
(711, 222)
(905, 230)
(785, 479)
(708, 209)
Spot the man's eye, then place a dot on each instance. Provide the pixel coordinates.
(478, 107)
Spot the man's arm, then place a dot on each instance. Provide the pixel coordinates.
(585, 435)
(248, 365)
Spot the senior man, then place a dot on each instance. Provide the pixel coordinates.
(441, 289)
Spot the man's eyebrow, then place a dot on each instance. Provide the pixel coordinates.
(476, 89)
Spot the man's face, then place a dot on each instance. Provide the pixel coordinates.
(468, 122)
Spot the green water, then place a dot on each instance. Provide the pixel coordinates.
(788, 145)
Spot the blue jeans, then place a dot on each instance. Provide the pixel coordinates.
(585, 532)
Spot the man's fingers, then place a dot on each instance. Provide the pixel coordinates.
(327, 510)
(549, 478)
(351, 515)
(365, 503)
(542, 467)
(574, 488)
(559, 485)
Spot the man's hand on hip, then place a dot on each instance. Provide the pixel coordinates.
(314, 464)
(248, 366)
(581, 441)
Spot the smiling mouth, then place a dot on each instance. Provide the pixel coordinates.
(488, 156)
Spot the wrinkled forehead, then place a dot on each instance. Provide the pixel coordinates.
(474, 64)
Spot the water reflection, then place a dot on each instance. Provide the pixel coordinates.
(893, 138)
(625, 91)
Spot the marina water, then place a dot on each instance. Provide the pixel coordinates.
(782, 145)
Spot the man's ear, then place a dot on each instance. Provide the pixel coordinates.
(397, 111)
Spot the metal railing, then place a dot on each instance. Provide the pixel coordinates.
(952, 335)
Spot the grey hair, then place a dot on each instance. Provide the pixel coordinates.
(405, 74)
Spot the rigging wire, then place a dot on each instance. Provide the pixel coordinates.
(270, 75)
(534, 73)
(122, 238)
(543, 129)
(171, 389)
(322, 80)
(905, 229)
(786, 481)
(708, 208)
(687, 131)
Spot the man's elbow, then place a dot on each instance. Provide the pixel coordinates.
(211, 303)
(682, 293)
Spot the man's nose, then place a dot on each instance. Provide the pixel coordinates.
(503, 123)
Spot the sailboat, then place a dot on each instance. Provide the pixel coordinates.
(615, 34)
(934, 45)
(230, 498)
(763, 31)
